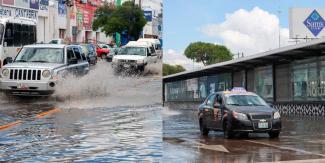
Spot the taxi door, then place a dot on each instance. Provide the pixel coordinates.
(217, 112)
(208, 111)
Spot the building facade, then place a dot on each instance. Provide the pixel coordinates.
(292, 78)
(53, 21)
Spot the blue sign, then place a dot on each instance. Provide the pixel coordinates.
(148, 15)
(44, 2)
(62, 8)
(315, 23)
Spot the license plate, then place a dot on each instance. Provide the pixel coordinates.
(126, 65)
(263, 125)
(22, 86)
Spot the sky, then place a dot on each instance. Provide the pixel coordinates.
(243, 26)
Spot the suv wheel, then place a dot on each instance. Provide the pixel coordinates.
(274, 134)
(203, 128)
(228, 134)
(141, 68)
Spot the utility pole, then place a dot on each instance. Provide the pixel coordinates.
(279, 12)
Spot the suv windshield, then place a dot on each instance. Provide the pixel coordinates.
(46, 55)
(133, 51)
(245, 100)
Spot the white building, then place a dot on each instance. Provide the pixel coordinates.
(50, 23)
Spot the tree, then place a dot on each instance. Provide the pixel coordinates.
(207, 53)
(170, 69)
(126, 18)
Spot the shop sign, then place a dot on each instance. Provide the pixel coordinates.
(34, 4)
(315, 23)
(315, 88)
(5, 12)
(44, 2)
(43, 7)
(62, 9)
(79, 20)
(24, 13)
(148, 15)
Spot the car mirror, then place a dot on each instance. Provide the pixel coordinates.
(72, 61)
(216, 105)
(7, 60)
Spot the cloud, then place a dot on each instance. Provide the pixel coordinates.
(174, 57)
(248, 31)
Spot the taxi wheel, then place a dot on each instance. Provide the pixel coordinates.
(203, 129)
(228, 134)
(274, 134)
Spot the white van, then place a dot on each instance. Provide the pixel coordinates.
(134, 55)
(156, 43)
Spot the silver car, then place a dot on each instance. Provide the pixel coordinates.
(37, 68)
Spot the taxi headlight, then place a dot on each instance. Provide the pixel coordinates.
(5, 72)
(276, 115)
(140, 61)
(240, 116)
(46, 73)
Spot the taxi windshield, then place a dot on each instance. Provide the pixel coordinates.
(245, 100)
(43, 55)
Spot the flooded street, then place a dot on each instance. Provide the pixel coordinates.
(302, 138)
(87, 120)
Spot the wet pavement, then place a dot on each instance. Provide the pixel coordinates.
(88, 120)
(302, 138)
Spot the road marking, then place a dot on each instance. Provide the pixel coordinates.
(287, 148)
(214, 147)
(219, 148)
(40, 115)
(43, 114)
(302, 161)
(9, 125)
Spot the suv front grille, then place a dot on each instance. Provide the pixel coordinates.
(24, 74)
(261, 116)
(127, 61)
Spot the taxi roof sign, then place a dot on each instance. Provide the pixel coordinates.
(238, 89)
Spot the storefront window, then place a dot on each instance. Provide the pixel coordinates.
(202, 87)
(305, 81)
(192, 89)
(322, 79)
(264, 82)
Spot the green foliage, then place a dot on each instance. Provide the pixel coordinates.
(207, 53)
(128, 17)
(170, 69)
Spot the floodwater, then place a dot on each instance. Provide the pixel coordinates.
(97, 118)
(302, 140)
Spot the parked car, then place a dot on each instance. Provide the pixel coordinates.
(101, 52)
(38, 68)
(133, 56)
(112, 53)
(57, 41)
(90, 52)
(238, 111)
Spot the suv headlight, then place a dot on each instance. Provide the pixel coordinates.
(46, 73)
(240, 116)
(276, 115)
(5, 72)
(140, 61)
(114, 60)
